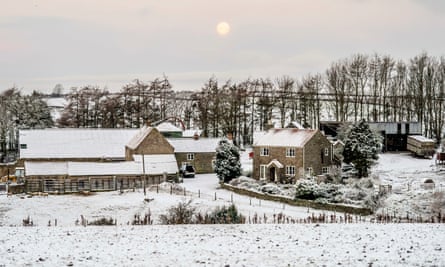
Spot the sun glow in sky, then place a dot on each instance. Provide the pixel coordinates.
(223, 28)
(111, 42)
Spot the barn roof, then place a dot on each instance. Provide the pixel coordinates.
(154, 165)
(201, 145)
(74, 143)
(137, 139)
(289, 137)
(167, 127)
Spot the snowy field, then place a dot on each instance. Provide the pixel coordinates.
(226, 245)
(265, 244)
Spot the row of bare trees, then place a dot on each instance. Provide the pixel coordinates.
(20, 111)
(376, 88)
(137, 102)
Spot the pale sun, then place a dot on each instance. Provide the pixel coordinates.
(223, 28)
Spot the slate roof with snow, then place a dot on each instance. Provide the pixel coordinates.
(168, 127)
(74, 143)
(190, 145)
(154, 165)
(136, 140)
(288, 137)
(421, 138)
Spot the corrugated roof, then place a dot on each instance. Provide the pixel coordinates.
(45, 168)
(190, 145)
(154, 165)
(74, 143)
(288, 137)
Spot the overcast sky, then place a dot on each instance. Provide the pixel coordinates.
(112, 42)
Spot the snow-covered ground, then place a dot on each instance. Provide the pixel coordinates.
(226, 245)
(410, 195)
(265, 244)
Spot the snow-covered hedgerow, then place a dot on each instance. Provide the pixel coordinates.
(354, 192)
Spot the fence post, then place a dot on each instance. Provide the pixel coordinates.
(171, 189)
(231, 197)
(250, 201)
(199, 193)
(215, 196)
(184, 191)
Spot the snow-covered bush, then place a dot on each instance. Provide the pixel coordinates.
(183, 213)
(226, 215)
(270, 188)
(307, 189)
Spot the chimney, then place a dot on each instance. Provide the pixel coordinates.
(148, 123)
(196, 136)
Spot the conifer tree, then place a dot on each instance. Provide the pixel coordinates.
(227, 164)
(361, 147)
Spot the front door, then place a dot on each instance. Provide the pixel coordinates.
(272, 174)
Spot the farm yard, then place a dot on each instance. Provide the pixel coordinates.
(57, 237)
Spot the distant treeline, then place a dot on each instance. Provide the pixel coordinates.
(373, 87)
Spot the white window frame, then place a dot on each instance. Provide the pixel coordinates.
(309, 171)
(290, 152)
(325, 170)
(326, 151)
(263, 169)
(290, 170)
(264, 151)
(190, 156)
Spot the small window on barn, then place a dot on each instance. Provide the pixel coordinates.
(290, 152)
(326, 151)
(190, 156)
(264, 151)
(23, 146)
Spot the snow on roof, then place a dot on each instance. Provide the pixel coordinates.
(421, 138)
(45, 168)
(154, 165)
(56, 102)
(189, 145)
(168, 127)
(191, 132)
(276, 163)
(285, 137)
(136, 140)
(74, 143)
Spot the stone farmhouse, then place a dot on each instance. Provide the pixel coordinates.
(73, 160)
(284, 155)
(198, 152)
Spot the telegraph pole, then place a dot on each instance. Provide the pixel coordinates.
(143, 171)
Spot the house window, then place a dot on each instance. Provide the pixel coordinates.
(290, 170)
(190, 156)
(325, 170)
(263, 172)
(326, 152)
(23, 146)
(309, 171)
(290, 152)
(264, 151)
